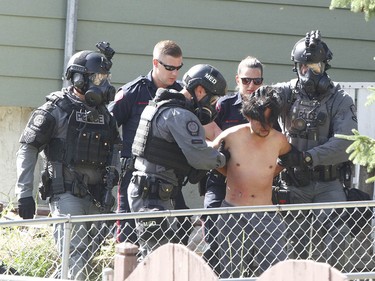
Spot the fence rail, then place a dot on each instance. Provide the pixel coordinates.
(29, 246)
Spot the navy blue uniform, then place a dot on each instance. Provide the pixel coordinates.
(129, 103)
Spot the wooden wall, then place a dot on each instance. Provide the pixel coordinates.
(219, 32)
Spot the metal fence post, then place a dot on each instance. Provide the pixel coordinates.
(66, 249)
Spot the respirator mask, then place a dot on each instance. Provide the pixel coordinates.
(99, 90)
(205, 109)
(313, 79)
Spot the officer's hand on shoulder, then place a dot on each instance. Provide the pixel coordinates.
(26, 207)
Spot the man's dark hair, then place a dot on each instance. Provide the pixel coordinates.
(254, 106)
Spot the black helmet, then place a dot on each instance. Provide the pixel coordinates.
(206, 76)
(311, 56)
(311, 49)
(87, 63)
(80, 71)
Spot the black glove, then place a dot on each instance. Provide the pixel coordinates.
(224, 151)
(196, 175)
(26, 207)
(294, 158)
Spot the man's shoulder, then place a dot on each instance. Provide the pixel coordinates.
(228, 98)
(133, 89)
(237, 129)
(137, 81)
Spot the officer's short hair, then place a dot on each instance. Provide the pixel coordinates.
(167, 48)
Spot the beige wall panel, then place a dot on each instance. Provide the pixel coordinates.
(12, 122)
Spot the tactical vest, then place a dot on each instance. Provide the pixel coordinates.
(157, 150)
(308, 123)
(87, 143)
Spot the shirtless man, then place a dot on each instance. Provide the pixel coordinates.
(254, 148)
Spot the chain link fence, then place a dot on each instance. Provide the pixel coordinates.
(238, 242)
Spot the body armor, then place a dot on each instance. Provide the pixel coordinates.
(308, 123)
(157, 150)
(87, 144)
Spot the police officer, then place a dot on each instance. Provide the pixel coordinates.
(76, 135)
(170, 145)
(249, 78)
(314, 109)
(130, 102)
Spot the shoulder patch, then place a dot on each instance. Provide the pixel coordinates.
(193, 128)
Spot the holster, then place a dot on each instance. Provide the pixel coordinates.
(45, 185)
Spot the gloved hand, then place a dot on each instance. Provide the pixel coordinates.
(224, 151)
(294, 158)
(26, 207)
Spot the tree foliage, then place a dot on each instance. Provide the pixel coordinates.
(362, 150)
(357, 6)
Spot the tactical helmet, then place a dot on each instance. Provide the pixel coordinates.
(206, 76)
(311, 56)
(311, 49)
(86, 63)
(80, 71)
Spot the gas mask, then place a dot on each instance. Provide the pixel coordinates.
(205, 108)
(313, 78)
(99, 90)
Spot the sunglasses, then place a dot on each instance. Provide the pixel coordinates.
(170, 67)
(256, 81)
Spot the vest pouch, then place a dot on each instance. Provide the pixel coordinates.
(165, 190)
(57, 179)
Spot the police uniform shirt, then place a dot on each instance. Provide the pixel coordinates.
(129, 103)
(180, 125)
(229, 113)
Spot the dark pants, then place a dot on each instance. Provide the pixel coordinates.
(185, 226)
(125, 228)
(215, 194)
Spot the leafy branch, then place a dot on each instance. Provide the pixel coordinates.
(357, 6)
(362, 151)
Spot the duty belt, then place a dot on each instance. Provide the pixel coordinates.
(154, 188)
(324, 173)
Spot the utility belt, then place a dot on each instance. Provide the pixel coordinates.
(324, 173)
(302, 176)
(154, 188)
(80, 190)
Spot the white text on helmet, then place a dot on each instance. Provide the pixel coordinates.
(210, 78)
